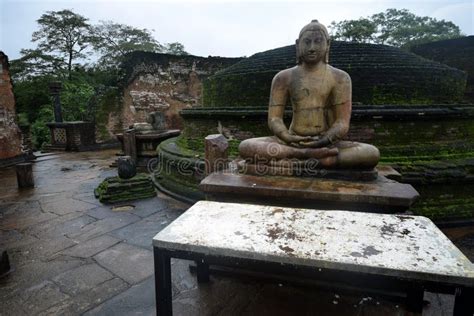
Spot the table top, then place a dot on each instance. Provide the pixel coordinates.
(394, 245)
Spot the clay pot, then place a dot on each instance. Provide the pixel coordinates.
(126, 167)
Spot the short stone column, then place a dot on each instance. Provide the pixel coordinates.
(130, 144)
(216, 153)
(24, 175)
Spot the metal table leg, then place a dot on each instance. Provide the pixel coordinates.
(464, 302)
(202, 271)
(163, 297)
(414, 300)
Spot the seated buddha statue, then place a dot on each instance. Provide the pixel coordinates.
(321, 99)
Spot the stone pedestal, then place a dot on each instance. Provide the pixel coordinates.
(379, 196)
(115, 189)
(71, 136)
(290, 168)
(143, 146)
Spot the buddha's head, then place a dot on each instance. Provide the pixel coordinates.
(313, 43)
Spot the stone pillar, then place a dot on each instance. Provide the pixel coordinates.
(55, 89)
(130, 144)
(24, 175)
(216, 153)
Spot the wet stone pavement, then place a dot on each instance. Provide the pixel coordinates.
(73, 255)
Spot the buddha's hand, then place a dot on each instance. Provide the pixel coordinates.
(294, 140)
(316, 142)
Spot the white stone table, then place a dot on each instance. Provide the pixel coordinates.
(409, 251)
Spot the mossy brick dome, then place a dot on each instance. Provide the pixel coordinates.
(380, 75)
(457, 53)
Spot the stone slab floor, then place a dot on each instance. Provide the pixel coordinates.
(72, 256)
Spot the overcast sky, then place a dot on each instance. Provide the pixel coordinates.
(217, 28)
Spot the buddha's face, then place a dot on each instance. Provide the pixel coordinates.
(312, 46)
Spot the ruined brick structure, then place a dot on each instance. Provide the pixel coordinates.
(161, 82)
(10, 134)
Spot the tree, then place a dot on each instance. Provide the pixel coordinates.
(175, 49)
(114, 41)
(63, 39)
(361, 30)
(394, 27)
(34, 63)
(64, 34)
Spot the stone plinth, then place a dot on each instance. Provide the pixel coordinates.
(71, 136)
(381, 195)
(115, 189)
(146, 144)
(291, 168)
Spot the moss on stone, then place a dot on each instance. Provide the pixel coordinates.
(110, 102)
(115, 189)
(445, 202)
(380, 75)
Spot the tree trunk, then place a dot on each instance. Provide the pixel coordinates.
(69, 66)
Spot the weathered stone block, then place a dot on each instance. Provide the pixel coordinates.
(216, 152)
(381, 195)
(115, 189)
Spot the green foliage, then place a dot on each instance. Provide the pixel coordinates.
(361, 30)
(23, 119)
(39, 131)
(34, 63)
(63, 34)
(89, 93)
(30, 95)
(75, 98)
(108, 101)
(175, 49)
(394, 27)
(114, 41)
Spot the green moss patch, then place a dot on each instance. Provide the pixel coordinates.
(115, 189)
(380, 75)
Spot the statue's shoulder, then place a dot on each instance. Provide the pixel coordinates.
(340, 76)
(284, 76)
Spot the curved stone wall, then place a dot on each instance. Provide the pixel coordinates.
(380, 75)
(431, 146)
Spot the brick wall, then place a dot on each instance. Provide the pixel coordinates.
(162, 82)
(10, 134)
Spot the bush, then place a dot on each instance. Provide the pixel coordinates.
(75, 98)
(39, 131)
